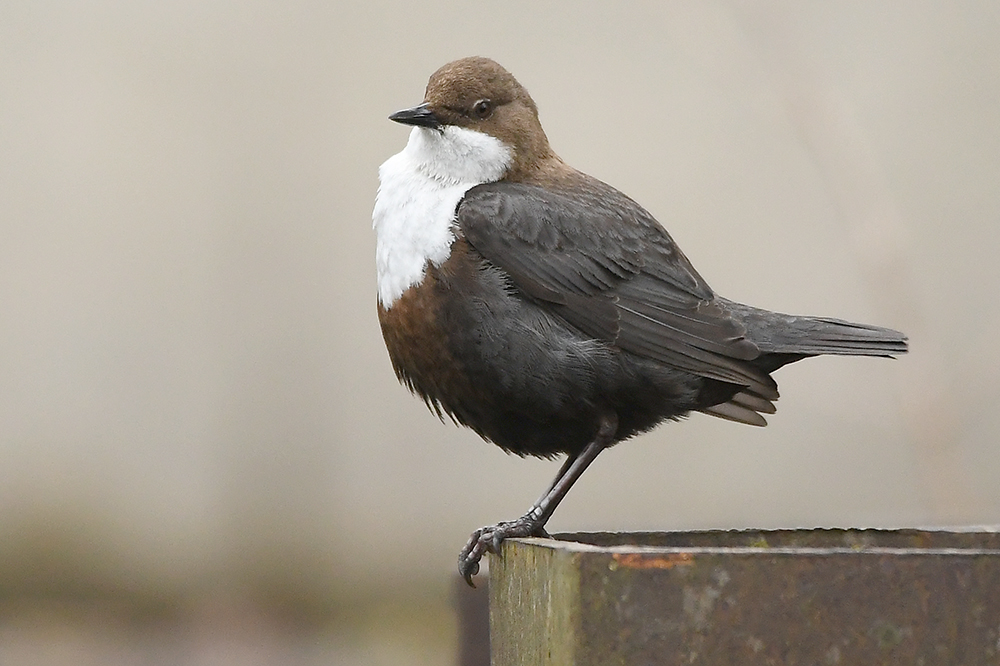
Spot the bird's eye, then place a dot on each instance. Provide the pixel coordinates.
(482, 109)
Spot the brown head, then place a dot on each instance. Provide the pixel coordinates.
(478, 94)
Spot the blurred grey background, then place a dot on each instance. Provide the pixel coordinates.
(204, 454)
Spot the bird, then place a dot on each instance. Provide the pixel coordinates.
(548, 311)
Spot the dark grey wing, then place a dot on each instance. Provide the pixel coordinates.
(608, 268)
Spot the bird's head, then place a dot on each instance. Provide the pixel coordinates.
(477, 95)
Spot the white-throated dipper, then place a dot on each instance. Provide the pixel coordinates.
(548, 311)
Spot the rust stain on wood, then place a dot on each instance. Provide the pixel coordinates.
(642, 561)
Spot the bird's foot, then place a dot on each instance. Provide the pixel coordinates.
(488, 539)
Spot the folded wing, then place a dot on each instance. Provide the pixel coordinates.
(609, 269)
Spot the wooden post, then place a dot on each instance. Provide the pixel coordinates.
(748, 597)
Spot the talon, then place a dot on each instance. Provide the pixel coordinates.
(489, 539)
(468, 559)
(468, 570)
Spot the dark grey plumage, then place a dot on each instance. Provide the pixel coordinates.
(602, 264)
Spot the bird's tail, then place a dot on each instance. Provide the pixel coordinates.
(786, 338)
(775, 333)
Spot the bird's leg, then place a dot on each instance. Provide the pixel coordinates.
(488, 539)
(563, 469)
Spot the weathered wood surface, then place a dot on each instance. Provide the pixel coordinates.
(749, 597)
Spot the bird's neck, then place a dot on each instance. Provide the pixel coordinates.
(545, 171)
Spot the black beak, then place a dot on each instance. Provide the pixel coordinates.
(421, 116)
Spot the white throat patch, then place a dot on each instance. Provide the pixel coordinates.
(419, 190)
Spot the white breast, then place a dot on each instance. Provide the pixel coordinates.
(419, 190)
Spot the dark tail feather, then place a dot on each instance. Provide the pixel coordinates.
(820, 335)
(786, 338)
(777, 333)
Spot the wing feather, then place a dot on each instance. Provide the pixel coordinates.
(609, 269)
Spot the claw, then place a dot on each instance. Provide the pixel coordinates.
(468, 559)
(489, 539)
(468, 570)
